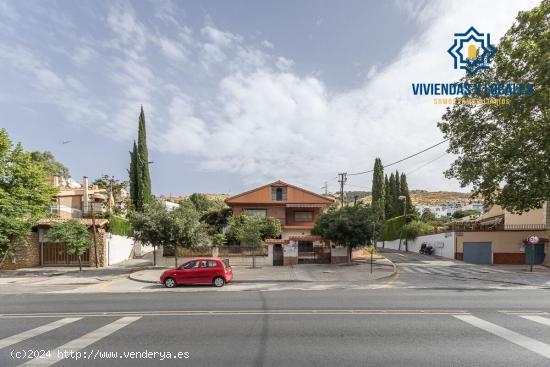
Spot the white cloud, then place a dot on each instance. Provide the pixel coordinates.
(84, 54)
(219, 37)
(273, 124)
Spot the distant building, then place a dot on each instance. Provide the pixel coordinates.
(76, 200)
(297, 209)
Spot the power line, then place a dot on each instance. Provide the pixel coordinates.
(427, 163)
(401, 160)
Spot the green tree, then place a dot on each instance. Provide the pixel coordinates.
(404, 187)
(388, 202)
(51, 166)
(349, 226)
(134, 179)
(175, 228)
(74, 235)
(427, 216)
(201, 202)
(503, 149)
(140, 178)
(378, 189)
(248, 230)
(117, 189)
(25, 195)
(144, 177)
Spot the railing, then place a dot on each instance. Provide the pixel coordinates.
(225, 251)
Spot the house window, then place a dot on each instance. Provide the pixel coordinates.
(303, 216)
(258, 213)
(278, 193)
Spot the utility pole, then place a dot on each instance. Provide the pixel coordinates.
(325, 187)
(342, 178)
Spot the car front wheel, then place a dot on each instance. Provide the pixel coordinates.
(219, 282)
(169, 283)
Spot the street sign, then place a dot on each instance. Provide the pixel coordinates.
(533, 240)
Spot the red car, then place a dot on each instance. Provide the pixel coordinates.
(199, 271)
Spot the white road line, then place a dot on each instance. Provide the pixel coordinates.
(495, 270)
(516, 338)
(407, 270)
(82, 342)
(422, 270)
(14, 339)
(439, 271)
(539, 319)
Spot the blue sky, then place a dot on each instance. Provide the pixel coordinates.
(235, 93)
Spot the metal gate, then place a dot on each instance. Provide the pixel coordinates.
(54, 254)
(305, 252)
(537, 257)
(478, 252)
(277, 255)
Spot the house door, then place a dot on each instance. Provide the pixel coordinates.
(305, 252)
(535, 252)
(478, 252)
(277, 255)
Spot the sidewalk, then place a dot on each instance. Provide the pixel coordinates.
(71, 275)
(359, 271)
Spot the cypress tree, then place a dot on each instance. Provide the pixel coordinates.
(405, 192)
(397, 204)
(392, 196)
(378, 190)
(387, 198)
(132, 172)
(144, 177)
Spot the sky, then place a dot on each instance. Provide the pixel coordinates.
(236, 93)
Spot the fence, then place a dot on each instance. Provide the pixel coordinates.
(225, 251)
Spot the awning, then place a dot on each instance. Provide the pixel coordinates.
(305, 238)
(276, 241)
(306, 205)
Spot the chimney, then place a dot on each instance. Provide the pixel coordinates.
(85, 195)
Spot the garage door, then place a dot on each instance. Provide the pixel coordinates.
(478, 252)
(534, 253)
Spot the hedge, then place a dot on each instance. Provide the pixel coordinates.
(120, 226)
(391, 229)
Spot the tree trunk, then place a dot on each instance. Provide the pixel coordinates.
(175, 257)
(349, 255)
(400, 244)
(154, 255)
(80, 262)
(253, 257)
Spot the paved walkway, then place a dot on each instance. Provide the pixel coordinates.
(358, 272)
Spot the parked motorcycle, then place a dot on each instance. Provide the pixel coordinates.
(426, 250)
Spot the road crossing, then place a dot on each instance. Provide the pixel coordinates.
(499, 329)
(456, 270)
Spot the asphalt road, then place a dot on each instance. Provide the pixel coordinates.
(384, 327)
(441, 315)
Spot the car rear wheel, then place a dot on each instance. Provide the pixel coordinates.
(218, 282)
(169, 283)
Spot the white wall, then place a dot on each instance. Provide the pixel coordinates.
(119, 248)
(443, 244)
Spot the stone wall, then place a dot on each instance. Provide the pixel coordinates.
(101, 248)
(26, 256)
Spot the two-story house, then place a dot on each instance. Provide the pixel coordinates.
(297, 209)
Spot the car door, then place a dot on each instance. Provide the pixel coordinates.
(187, 273)
(205, 272)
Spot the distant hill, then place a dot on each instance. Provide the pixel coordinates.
(210, 196)
(418, 197)
(422, 197)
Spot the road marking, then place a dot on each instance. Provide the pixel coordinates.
(82, 342)
(439, 271)
(14, 339)
(523, 341)
(422, 270)
(245, 312)
(539, 319)
(496, 270)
